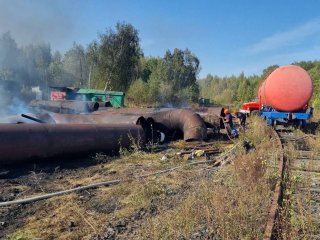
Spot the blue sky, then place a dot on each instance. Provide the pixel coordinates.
(227, 36)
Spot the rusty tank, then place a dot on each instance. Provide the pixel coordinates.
(167, 120)
(62, 106)
(20, 142)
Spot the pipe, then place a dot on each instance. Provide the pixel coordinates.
(131, 110)
(167, 120)
(105, 104)
(184, 120)
(63, 106)
(98, 119)
(50, 195)
(211, 116)
(93, 106)
(32, 118)
(45, 117)
(19, 142)
(110, 118)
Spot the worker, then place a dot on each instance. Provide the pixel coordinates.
(229, 124)
(241, 117)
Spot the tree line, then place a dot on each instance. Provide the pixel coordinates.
(115, 61)
(238, 90)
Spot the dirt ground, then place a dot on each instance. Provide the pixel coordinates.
(191, 202)
(114, 212)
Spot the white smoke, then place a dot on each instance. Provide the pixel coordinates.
(34, 22)
(11, 104)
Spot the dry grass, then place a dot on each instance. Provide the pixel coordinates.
(223, 209)
(233, 206)
(91, 216)
(297, 218)
(231, 203)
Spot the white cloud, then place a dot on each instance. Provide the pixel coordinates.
(288, 38)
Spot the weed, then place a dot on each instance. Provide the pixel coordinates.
(23, 234)
(234, 206)
(101, 157)
(295, 219)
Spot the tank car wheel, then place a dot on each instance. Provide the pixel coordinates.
(300, 124)
(274, 124)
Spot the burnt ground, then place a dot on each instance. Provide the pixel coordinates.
(137, 208)
(115, 212)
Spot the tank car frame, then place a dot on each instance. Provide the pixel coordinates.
(274, 117)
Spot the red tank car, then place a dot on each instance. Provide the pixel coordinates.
(287, 89)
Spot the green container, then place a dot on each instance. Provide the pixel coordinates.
(116, 98)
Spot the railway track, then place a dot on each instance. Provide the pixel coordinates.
(295, 210)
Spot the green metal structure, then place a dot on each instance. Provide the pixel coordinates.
(82, 94)
(116, 98)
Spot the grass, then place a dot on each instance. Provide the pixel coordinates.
(296, 218)
(231, 203)
(234, 206)
(223, 209)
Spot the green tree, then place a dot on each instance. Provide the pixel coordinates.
(56, 69)
(138, 93)
(306, 65)
(158, 93)
(9, 57)
(118, 54)
(205, 86)
(267, 71)
(42, 61)
(74, 66)
(182, 69)
(242, 91)
(29, 73)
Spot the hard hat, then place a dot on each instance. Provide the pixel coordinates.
(226, 111)
(235, 111)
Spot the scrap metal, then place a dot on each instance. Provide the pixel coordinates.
(62, 106)
(19, 142)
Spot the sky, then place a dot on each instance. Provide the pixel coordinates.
(228, 37)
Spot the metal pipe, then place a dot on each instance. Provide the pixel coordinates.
(63, 106)
(168, 120)
(18, 142)
(98, 119)
(93, 106)
(184, 120)
(211, 116)
(131, 110)
(110, 118)
(105, 104)
(32, 118)
(19, 119)
(54, 194)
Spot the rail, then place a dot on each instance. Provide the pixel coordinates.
(277, 193)
(279, 186)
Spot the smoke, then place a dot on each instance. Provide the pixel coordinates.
(4, 102)
(11, 104)
(33, 21)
